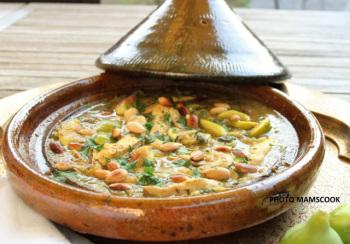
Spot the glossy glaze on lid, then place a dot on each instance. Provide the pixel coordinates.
(188, 39)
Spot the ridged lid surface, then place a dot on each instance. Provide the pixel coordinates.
(189, 39)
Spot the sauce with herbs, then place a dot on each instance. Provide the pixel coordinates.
(149, 145)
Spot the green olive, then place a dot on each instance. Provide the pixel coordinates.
(244, 125)
(262, 127)
(212, 127)
(227, 114)
(105, 126)
(101, 139)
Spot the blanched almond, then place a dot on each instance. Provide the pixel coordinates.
(224, 105)
(86, 132)
(63, 166)
(198, 163)
(170, 146)
(75, 146)
(197, 156)
(116, 133)
(219, 173)
(119, 186)
(222, 148)
(164, 101)
(135, 127)
(113, 166)
(131, 112)
(217, 110)
(131, 179)
(139, 119)
(238, 153)
(245, 168)
(101, 173)
(178, 178)
(117, 175)
(235, 118)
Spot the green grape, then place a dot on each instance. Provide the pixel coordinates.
(316, 230)
(340, 222)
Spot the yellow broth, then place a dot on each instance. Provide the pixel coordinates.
(160, 145)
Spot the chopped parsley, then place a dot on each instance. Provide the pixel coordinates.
(182, 150)
(149, 125)
(167, 117)
(60, 176)
(124, 163)
(88, 145)
(182, 163)
(147, 139)
(243, 160)
(202, 137)
(148, 162)
(148, 166)
(149, 117)
(226, 138)
(163, 138)
(140, 106)
(148, 179)
(182, 121)
(196, 173)
(148, 170)
(130, 166)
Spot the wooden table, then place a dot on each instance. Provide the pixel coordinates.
(45, 43)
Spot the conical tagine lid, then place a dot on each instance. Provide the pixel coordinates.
(194, 39)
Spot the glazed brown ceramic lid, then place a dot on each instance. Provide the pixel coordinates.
(189, 39)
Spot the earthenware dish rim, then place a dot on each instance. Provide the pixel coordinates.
(302, 158)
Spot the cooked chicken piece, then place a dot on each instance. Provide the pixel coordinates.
(188, 186)
(124, 104)
(142, 153)
(259, 151)
(160, 122)
(116, 149)
(69, 132)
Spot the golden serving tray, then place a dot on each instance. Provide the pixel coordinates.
(333, 180)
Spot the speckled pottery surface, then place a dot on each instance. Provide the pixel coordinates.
(155, 219)
(195, 40)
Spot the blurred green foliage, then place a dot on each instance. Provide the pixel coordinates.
(233, 3)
